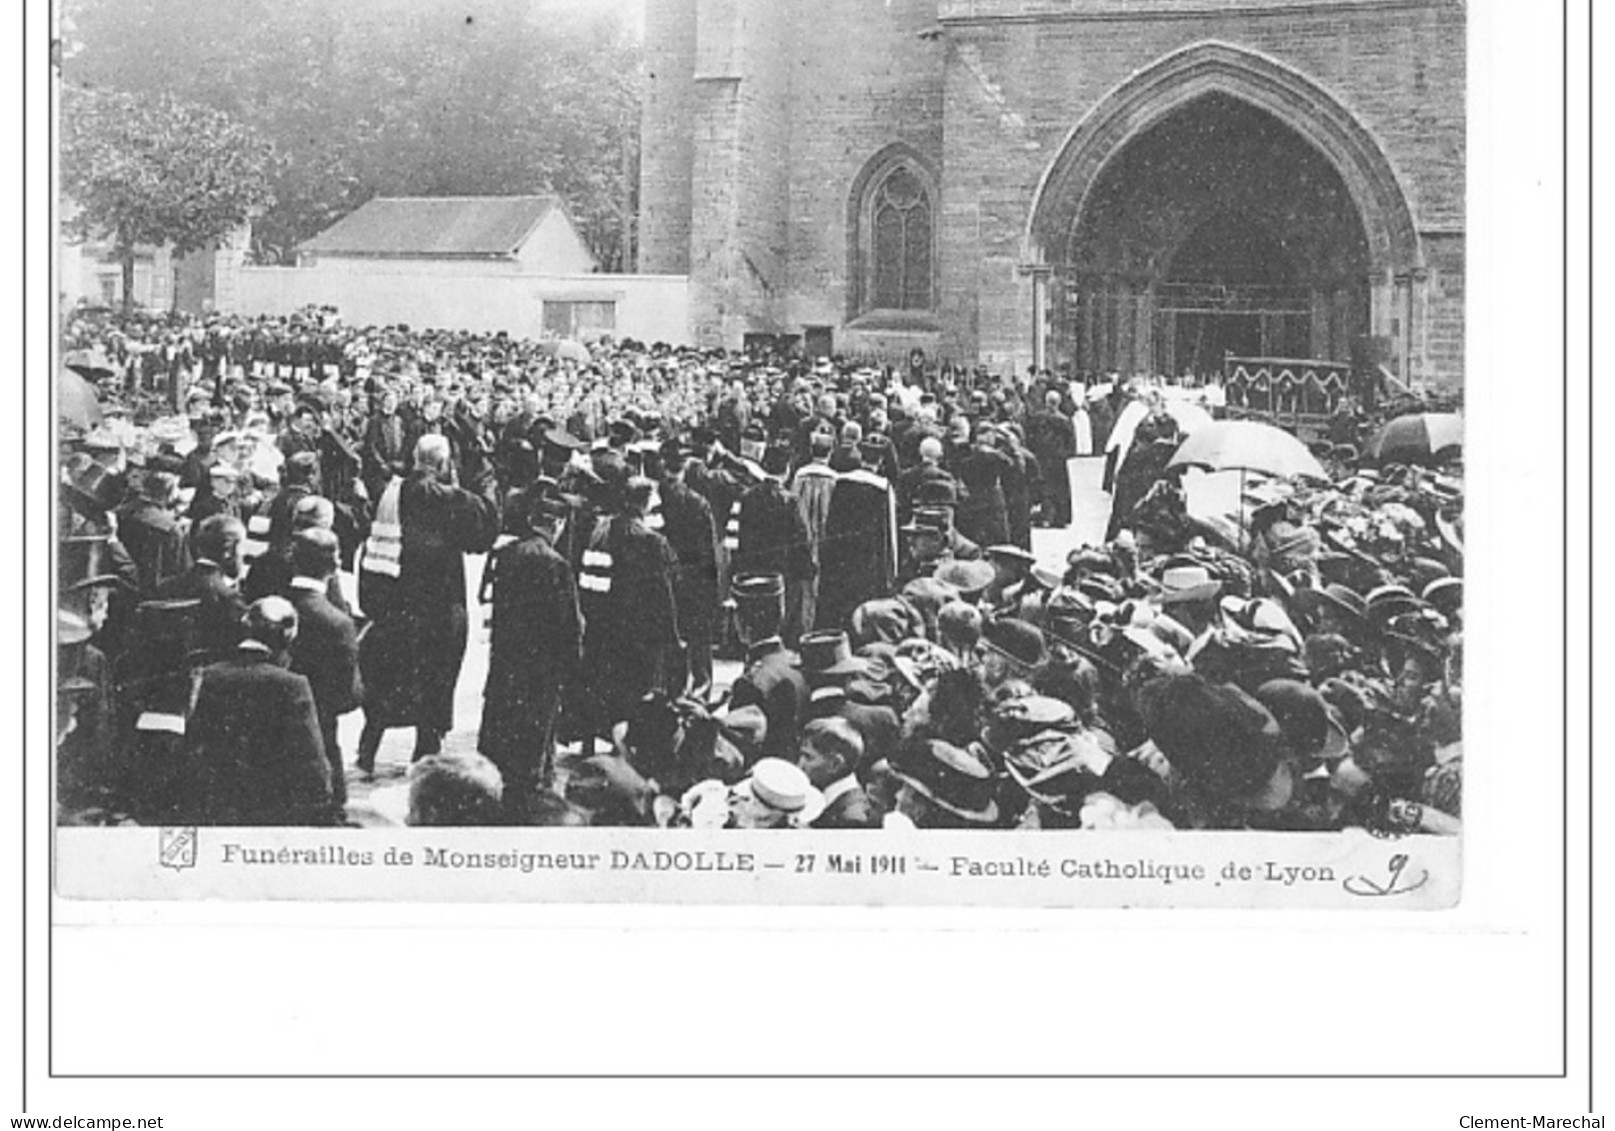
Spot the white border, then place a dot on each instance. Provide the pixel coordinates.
(734, 990)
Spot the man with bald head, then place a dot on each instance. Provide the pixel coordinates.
(417, 645)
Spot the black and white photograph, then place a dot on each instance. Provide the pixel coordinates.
(1049, 419)
(975, 488)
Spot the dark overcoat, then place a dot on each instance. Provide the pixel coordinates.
(533, 651)
(631, 639)
(255, 740)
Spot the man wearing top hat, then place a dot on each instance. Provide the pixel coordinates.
(773, 679)
(833, 674)
(534, 649)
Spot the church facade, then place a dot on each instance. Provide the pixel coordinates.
(1132, 186)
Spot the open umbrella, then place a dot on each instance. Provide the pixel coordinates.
(76, 400)
(1248, 445)
(91, 363)
(572, 351)
(1244, 446)
(1420, 437)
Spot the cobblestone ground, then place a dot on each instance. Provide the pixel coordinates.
(386, 797)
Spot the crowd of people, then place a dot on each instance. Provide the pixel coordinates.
(267, 524)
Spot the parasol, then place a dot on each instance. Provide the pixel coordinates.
(91, 363)
(572, 351)
(1245, 446)
(1248, 445)
(1421, 437)
(76, 400)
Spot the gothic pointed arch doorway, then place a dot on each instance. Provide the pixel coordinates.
(1219, 202)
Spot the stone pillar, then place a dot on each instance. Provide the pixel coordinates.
(1040, 315)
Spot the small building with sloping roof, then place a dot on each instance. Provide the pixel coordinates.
(526, 234)
(486, 263)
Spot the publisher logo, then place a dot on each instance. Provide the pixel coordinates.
(176, 848)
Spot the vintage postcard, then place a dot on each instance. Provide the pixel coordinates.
(1020, 464)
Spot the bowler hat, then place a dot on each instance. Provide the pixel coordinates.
(1311, 725)
(1338, 597)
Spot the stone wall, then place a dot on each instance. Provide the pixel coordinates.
(763, 112)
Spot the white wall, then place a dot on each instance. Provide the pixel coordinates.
(460, 296)
(555, 248)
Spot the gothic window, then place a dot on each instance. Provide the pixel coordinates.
(893, 243)
(902, 251)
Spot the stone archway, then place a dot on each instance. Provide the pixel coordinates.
(1124, 197)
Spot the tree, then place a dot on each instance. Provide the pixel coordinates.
(151, 169)
(394, 97)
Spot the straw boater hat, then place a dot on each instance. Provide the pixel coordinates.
(783, 787)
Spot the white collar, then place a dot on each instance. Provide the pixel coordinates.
(839, 788)
(311, 584)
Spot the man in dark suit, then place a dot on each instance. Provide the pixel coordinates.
(632, 642)
(772, 679)
(858, 557)
(774, 538)
(1053, 440)
(832, 750)
(383, 453)
(254, 734)
(216, 544)
(687, 525)
(149, 530)
(326, 650)
(535, 648)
